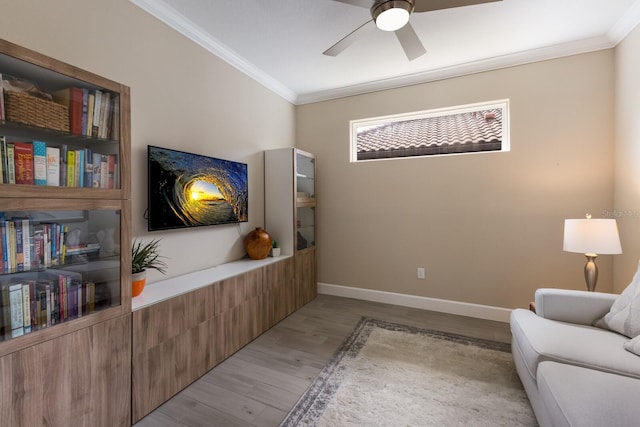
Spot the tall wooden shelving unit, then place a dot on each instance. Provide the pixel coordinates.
(75, 367)
(290, 213)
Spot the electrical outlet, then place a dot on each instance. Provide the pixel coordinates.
(421, 273)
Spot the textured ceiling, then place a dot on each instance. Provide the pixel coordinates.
(280, 43)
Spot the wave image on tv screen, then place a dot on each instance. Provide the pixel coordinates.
(190, 190)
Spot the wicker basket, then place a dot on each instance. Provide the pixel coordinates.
(29, 110)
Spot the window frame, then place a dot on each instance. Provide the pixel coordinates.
(503, 104)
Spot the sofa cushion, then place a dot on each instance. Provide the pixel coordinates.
(633, 345)
(540, 339)
(579, 397)
(624, 315)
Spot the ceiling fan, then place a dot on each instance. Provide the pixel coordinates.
(393, 15)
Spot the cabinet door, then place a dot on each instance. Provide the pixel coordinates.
(59, 267)
(82, 378)
(62, 129)
(306, 282)
(305, 180)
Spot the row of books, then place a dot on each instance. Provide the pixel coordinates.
(30, 305)
(26, 246)
(37, 163)
(94, 113)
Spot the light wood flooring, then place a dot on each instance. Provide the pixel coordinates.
(259, 384)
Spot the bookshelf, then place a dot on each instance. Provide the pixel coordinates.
(290, 213)
(65, 234)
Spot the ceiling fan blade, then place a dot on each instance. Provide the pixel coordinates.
(362, 3)
(429, 5)
(410, 42)
(347, 41)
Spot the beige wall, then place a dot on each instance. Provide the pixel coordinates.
(627, 157)
(487, 227)
(181, 97)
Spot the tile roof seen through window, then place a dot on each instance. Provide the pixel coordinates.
(454, 133)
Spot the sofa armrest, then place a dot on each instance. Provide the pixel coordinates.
(581, 307)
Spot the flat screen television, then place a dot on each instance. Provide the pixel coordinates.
(192, 190)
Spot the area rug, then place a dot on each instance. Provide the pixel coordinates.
(387, 374)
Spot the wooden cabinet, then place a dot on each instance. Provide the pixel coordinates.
(65, 241)
(178, 339)
(290, 213)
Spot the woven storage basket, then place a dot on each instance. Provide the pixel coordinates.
(30, 110)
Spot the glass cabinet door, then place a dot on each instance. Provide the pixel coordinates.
(57, 266)
(305, 168)
(57, 130)
(306, 235)
(305, 176)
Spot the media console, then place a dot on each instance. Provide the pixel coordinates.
(184, 326)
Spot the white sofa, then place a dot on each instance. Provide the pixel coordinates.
(575, 374)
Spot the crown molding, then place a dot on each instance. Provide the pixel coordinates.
(181, 24)
(489, 64)
(178, 22)
(627, 23)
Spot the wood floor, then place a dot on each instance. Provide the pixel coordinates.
(259, 384)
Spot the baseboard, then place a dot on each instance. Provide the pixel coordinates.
(444, 306)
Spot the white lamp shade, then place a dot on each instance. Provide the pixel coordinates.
(591, 236)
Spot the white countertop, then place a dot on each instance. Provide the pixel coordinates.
(169, 288)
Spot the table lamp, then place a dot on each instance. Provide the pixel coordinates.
(591, 237)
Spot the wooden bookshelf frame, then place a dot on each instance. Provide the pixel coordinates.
(94, 349)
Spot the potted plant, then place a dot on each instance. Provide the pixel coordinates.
(275, 248)
(144, 256)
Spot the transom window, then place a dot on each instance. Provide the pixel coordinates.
(473, 128)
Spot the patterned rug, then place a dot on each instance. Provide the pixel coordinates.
(387, 374)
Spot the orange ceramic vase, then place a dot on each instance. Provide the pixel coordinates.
(257, 244)
(137, 283)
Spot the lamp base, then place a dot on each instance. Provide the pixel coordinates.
(591, 272)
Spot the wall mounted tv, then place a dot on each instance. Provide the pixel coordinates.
(191, 190)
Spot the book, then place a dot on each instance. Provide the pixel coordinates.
(112, 171)
(5, 248)
(2, 112)
(96, 113)
(23, 158)
(26, 242)
(11, 245)
(71, 168)
(11, 171)
(5, 311)
(104, 171)
(17, 317)
(3, 158)
(88, 168)
(97, 160)
(71, 97)
(104, 113)
(34, 305)
(43, 295)
(53, 166)
(26, 307)
(63, 164)
(85, 106)
(38, 246)
(90, 107)
(39, 163)
(19, 242)
(79, 172)
(3, 168)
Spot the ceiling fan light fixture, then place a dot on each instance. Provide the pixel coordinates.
(392, 15)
